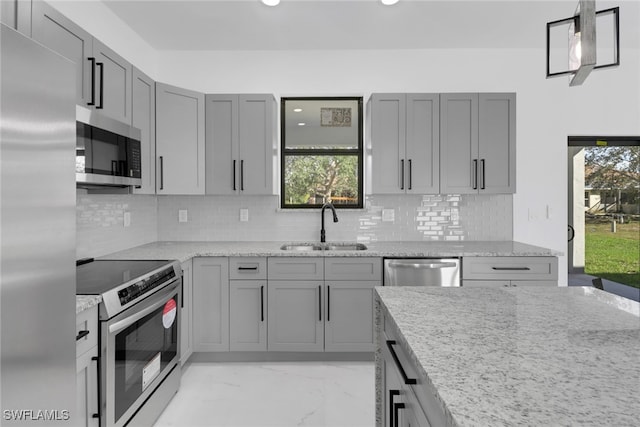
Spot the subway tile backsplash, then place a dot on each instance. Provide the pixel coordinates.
(100, 220)
(100, 226)
(442, 217)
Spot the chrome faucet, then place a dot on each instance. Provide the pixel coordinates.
(335, 219)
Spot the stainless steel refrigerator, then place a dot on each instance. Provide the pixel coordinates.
(37, 250)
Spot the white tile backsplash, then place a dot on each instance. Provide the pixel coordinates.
(443, 217)
(100, 220)
(100, 226)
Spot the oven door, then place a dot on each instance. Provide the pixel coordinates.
(139, 349)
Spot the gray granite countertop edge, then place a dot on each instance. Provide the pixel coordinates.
(85, 302)
(183, 251)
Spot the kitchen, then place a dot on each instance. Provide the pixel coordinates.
(605, 104)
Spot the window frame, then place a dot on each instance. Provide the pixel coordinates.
(322, 152)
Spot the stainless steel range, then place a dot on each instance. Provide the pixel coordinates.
(139, 336)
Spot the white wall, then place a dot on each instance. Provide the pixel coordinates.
(608, 103)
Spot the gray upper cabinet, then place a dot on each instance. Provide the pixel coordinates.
(240, 144)
(113, 83)
(477, 143)
(179, 141)
(103, 77)
(144, 118)
(17, 15)
(61, 35)
(404, 142)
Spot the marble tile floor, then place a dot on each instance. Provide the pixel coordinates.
(282, 394)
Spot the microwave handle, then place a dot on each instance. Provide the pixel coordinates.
(157, 301)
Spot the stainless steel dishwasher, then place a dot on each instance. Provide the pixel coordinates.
(422, 272)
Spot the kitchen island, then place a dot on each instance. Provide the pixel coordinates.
(509, 356)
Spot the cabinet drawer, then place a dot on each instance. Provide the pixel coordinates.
(351, 268)
(510, 268)
(298, 268)
(247, 268)
(86, 321)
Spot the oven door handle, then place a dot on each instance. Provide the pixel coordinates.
(157, 301)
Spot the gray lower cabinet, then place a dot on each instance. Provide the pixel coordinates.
(186, 312)
(87, 368)
(349, 316)
(211, 304)
(349, 319)
(477, 143)
(509, 271)
(104, 78)
(295, 315)
(179, 141)
(17, 15)
(144, 118)
(248, 304)
(405, 399)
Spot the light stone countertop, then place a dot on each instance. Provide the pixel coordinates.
(184, 251)
(85, 302)
(523, 356)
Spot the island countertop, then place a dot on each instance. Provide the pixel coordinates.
(522, 356)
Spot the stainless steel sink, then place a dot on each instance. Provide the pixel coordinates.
(345, 247)
(338, 246)
(302, 247)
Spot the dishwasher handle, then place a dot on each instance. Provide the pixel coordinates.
(426, 265)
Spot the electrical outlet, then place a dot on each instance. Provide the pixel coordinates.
(244, 215)
(388, 215)
(183, 215)
(127, 219)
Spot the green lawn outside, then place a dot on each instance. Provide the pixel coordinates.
(613, 256)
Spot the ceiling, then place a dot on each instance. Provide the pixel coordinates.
(346, 24)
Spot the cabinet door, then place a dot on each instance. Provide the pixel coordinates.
(496, 143)
(87, 389)
(387, 118)
(248, 315)
(295, 315)
(186, 312)
(211, 304)
(349, 316)
(422, 163)
(179, 140)
(458, 143)
(58, 33)
(143, 117)
(114, 78)
(17, 15)
(222, 157)
(257, 144)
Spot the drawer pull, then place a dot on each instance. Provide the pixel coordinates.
(81, 334)
(510, 268)
(407, 380)
(248, 268)
(396, 407)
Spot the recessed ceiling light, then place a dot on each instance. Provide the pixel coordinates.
(297, 110)
(272, 2)
(301, 124)
(389, 2)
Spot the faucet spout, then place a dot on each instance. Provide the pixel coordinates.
(335, 219)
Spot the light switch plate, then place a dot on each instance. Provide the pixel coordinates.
(244, 215)
(127, 219)
(388, 215)
(183, 215)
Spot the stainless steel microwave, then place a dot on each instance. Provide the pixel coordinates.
(107, 151)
